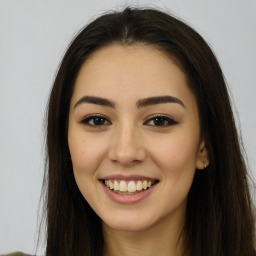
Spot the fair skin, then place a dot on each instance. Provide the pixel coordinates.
(122, 134)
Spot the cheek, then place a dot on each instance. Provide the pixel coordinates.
(177, 154)
(86, 153)
(177, 160)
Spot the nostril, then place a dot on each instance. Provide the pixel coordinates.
(127, 158)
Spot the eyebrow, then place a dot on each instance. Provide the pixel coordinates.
(95, 100)
(159, 100)
(140, 103)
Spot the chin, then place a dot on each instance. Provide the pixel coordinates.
(128, 227)
(128, 223)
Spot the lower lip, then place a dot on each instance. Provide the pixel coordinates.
(128, 199)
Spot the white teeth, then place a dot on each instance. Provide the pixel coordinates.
(128, 186)
(139, 185)
(111, 185)
(116, 185)
(144, 184)
(123, 186)
(131, 186)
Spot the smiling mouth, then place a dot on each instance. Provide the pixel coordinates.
(131, 187)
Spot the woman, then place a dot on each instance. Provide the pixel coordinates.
(143, 153)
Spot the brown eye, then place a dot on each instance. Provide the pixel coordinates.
(95, 120)
(160, 121)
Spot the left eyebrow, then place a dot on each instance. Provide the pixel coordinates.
(159, 100)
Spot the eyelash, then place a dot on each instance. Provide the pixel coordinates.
(94, 118)
(168, 121)
(164, 120)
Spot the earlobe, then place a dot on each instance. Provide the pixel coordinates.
(202, 161)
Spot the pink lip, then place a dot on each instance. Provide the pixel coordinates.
(127, 199)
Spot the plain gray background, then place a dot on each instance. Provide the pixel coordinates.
(33, 38)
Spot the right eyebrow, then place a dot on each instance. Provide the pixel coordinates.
(95, 100)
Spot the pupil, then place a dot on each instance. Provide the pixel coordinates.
(99, 121)
(159, 121)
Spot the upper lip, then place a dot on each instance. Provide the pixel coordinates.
(126, 177)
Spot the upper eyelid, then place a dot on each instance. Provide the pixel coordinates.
(94, 115)
(148, 118)
(159, 115)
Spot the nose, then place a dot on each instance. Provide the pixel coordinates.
(126, 146)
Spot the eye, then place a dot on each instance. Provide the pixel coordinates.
(160, 120)
(95, 121)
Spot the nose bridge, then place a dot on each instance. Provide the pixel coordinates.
(126, 146)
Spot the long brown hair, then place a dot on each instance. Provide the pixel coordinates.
(219, 217)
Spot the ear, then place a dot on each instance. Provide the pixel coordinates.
(202, 160)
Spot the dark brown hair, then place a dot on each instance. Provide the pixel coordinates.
(219, 218)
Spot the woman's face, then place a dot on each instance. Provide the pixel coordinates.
(134, 137)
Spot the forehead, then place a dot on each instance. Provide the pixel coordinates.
(134, 71)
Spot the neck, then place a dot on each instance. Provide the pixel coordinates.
(164, 238)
